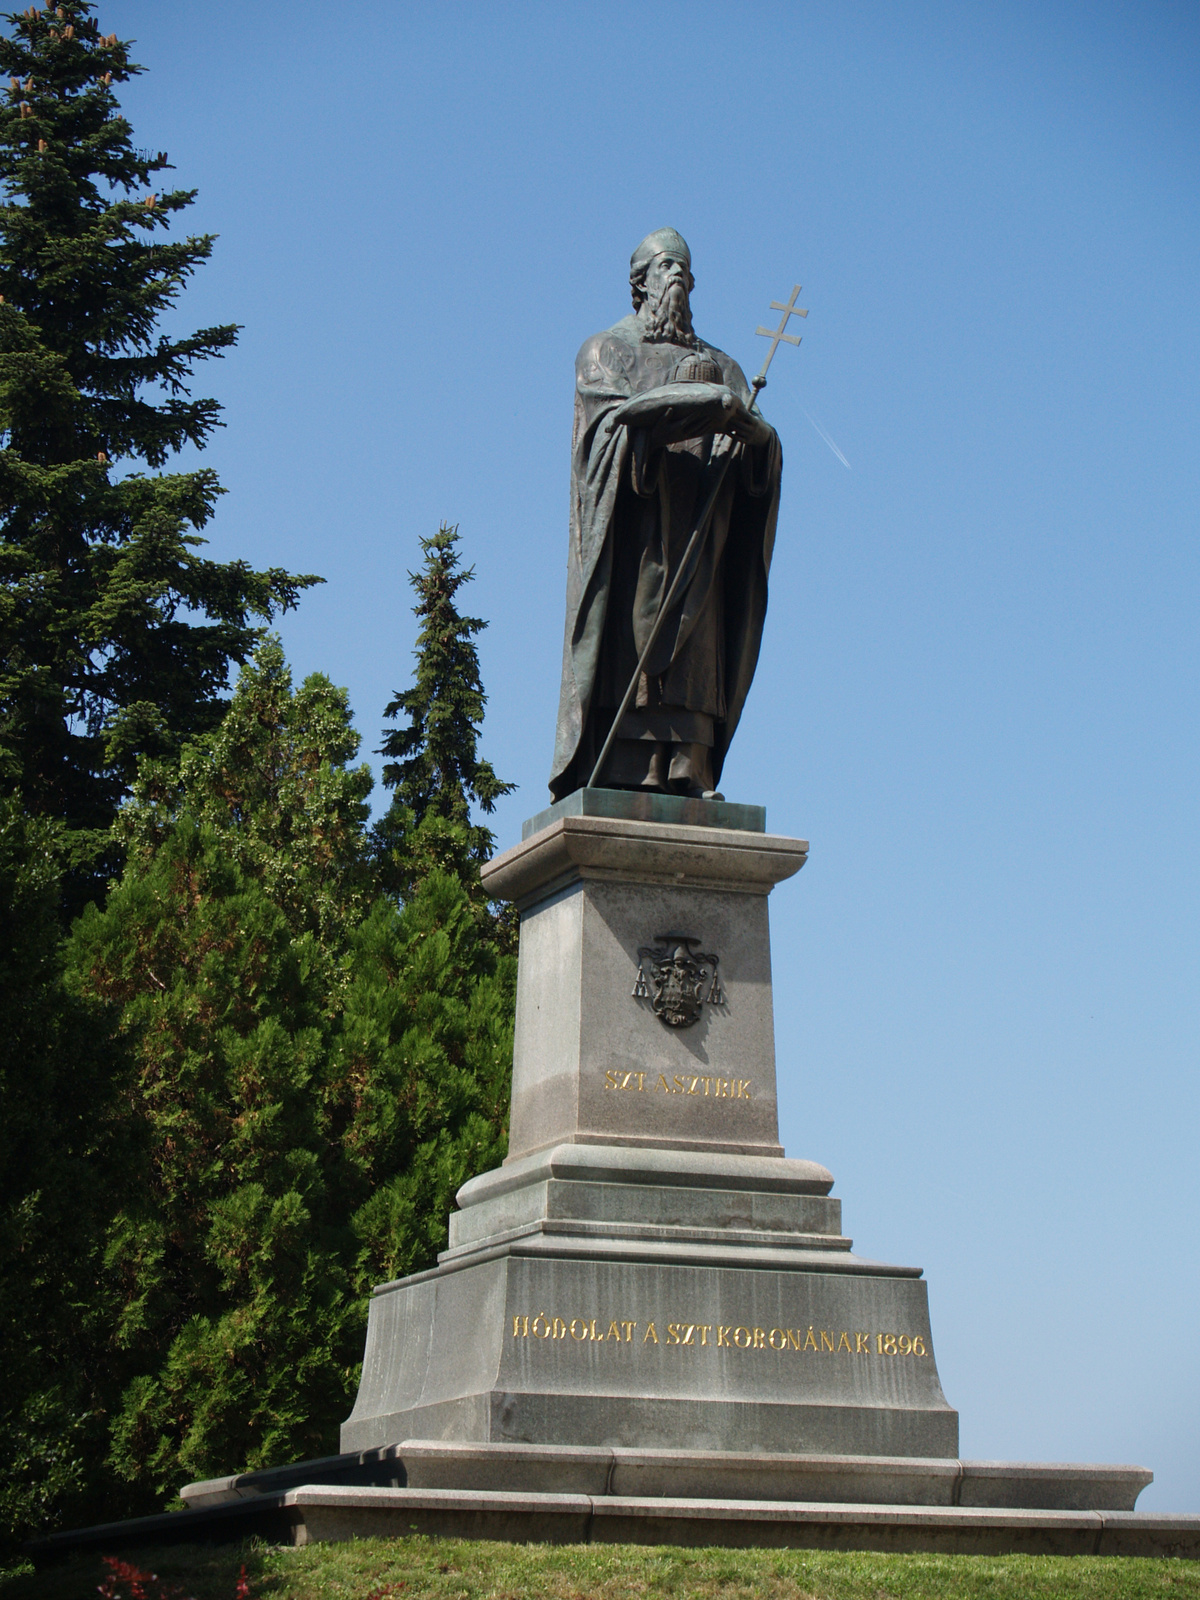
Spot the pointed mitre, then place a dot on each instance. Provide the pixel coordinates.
(656, 244)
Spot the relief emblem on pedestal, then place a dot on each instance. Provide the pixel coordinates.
(677, 979)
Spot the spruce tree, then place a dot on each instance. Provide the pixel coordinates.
(434, 769)
(453, 952)
(116, 635)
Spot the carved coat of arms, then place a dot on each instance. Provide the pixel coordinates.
(677, 979)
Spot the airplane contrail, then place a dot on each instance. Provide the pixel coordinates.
(828, 440)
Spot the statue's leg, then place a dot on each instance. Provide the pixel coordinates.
(636, 764)
(656, 776)
(690, 769)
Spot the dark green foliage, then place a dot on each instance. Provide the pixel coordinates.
(434, 769)
(425, 1049)
(222, 952)
(316, 1073)
(62, 1155)
(116, 637)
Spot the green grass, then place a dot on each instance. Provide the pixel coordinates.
(421, 1568)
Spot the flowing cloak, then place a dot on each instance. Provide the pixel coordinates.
(627, 495)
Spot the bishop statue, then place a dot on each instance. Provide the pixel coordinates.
(664, 424)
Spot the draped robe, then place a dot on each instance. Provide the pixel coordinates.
(634, 503)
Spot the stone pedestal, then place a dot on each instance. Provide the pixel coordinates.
(610, 908)
(601, 1295)
(647, 1270)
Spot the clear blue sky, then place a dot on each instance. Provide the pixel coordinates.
(978, 689)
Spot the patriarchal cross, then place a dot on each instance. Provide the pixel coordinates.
(778, 335)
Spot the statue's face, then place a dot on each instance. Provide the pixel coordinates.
(666, 311)
(665, 270)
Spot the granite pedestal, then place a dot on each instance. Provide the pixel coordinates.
(647, 1270)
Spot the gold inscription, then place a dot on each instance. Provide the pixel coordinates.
(708, 1088)
(695, 1335)
(625, 1080)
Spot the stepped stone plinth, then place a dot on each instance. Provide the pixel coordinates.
(647, 1270)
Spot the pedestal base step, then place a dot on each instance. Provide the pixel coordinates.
(331, 1513)
(699, 1474)
(759, 1475)
(339, 1514)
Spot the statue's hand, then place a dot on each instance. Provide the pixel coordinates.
(747, 425)
(674, 405)
(692, 410)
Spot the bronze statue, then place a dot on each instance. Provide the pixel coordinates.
(667, 439)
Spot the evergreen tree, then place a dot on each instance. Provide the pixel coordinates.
(222, 952)
(434, 769)
(116, 636)
(426, 1038)
(62, 1166)
(316, 1072)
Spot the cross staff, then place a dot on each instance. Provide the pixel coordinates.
(777, 336)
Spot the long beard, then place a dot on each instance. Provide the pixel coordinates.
(668, 320)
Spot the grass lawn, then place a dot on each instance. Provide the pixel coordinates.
(449, 1569)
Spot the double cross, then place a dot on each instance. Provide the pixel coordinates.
(780, 334)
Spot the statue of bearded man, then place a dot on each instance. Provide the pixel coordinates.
(660, 417)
